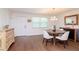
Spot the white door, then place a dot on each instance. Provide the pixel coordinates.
(20, 26)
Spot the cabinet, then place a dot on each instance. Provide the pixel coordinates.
(6, 39)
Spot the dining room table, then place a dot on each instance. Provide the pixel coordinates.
(55, 33)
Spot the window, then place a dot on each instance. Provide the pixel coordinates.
(39, 22)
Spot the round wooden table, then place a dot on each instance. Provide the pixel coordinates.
(54, 34)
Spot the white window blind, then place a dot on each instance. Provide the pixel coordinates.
(39, 22)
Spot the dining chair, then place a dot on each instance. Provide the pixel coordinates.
(64, 38)
(46, 37)
(61, 30)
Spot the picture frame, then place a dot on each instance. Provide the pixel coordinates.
(71, 20)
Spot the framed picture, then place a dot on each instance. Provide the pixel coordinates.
(71, 20)
(29, 20)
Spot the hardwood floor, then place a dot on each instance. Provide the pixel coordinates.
(34, 43)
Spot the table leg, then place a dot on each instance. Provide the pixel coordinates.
(54, 41)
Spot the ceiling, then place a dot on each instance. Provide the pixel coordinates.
(42, 11)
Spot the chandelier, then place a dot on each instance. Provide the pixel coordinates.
(53, 18)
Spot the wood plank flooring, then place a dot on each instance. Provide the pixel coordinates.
(34, 43)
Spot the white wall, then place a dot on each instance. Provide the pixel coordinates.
(4, 17)
(22, 27)
(18, 20)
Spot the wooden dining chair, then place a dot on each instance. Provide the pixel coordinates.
(46, 37)
(64, 38)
